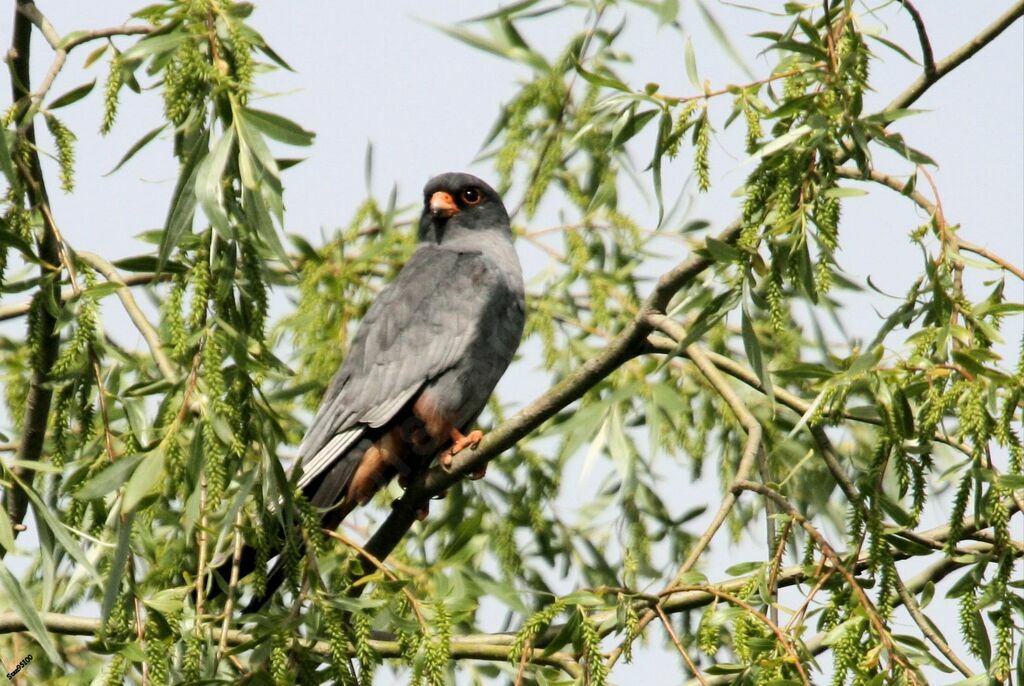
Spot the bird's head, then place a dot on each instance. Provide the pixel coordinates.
(455, 204)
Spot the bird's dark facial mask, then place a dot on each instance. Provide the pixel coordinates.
(457, 203)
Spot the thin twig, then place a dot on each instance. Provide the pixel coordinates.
(928, 57)
(926, 627)
(823, 545)
(236, 565)
(786, 644)
(135, 313)
(679, 646)
(944, 66)
(751, 449)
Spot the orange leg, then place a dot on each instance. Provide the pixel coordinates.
(460, 443)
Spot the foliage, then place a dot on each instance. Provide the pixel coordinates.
(158, 464)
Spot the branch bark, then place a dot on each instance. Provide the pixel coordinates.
(40, 395)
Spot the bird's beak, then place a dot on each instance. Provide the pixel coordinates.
(442, 205)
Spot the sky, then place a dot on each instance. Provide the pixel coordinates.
(380, 73)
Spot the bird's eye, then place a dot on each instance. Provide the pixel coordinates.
(471, 196)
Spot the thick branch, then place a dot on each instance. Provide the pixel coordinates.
(68, 625)
(621, 348)
(37, 406)
(916, 89)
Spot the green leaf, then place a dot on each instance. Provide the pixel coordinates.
(781, 142)
(148, 263)
(742, 568)
(183, 207)
(101, 290)
(892, 46)
(506, 11)
(208, 183)
(6, 163)
(631, 126)
(6, 532)
(691, 65)
(10, 239)
(867, 360)
(26, 609)
(109, 478)
(752, 347)
(144, 482)
(73, 95)
(45, 517)
(607, 80)
(138, 145)
(117, 566)
(277, 127)
(154, 45)
(723, 40)
(720, 251)
(844, 192)
(168, 600)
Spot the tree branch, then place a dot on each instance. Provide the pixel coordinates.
(927, 56)
(916, 89)
(928, 206)
(134, 312)
(68, 625)
(624, 346)
(751, 448)
(40, 395)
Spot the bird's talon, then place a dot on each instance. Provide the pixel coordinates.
(478, 474)
(422, 512)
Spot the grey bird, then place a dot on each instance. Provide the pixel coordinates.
(427, 355)
(422, 365)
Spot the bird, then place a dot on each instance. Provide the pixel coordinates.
(425, 358)
(422, 364)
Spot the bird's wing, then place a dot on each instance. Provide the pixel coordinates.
(419, 326)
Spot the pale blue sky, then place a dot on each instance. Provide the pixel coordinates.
(378, 72)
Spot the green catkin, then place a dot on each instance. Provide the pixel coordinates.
(240, 54)
(280, 671)
(112, 93)
(848, 652)
(64, 139)
(116, 670)
(200, 278)
(438, 648)
(963, 494)
(186, 82)
(967, 610)
(311, 526)
(774, 296)
(754, 130)
(262, 547)
(708, 632)
(62, 424)
(701, 143)
(632, 626)
(174, 319)
(532, 627)
(679, 128)
(362, 626)
(333, 628)
(158, 654)
(597, 670)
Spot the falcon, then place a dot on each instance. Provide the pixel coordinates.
(426, 356)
